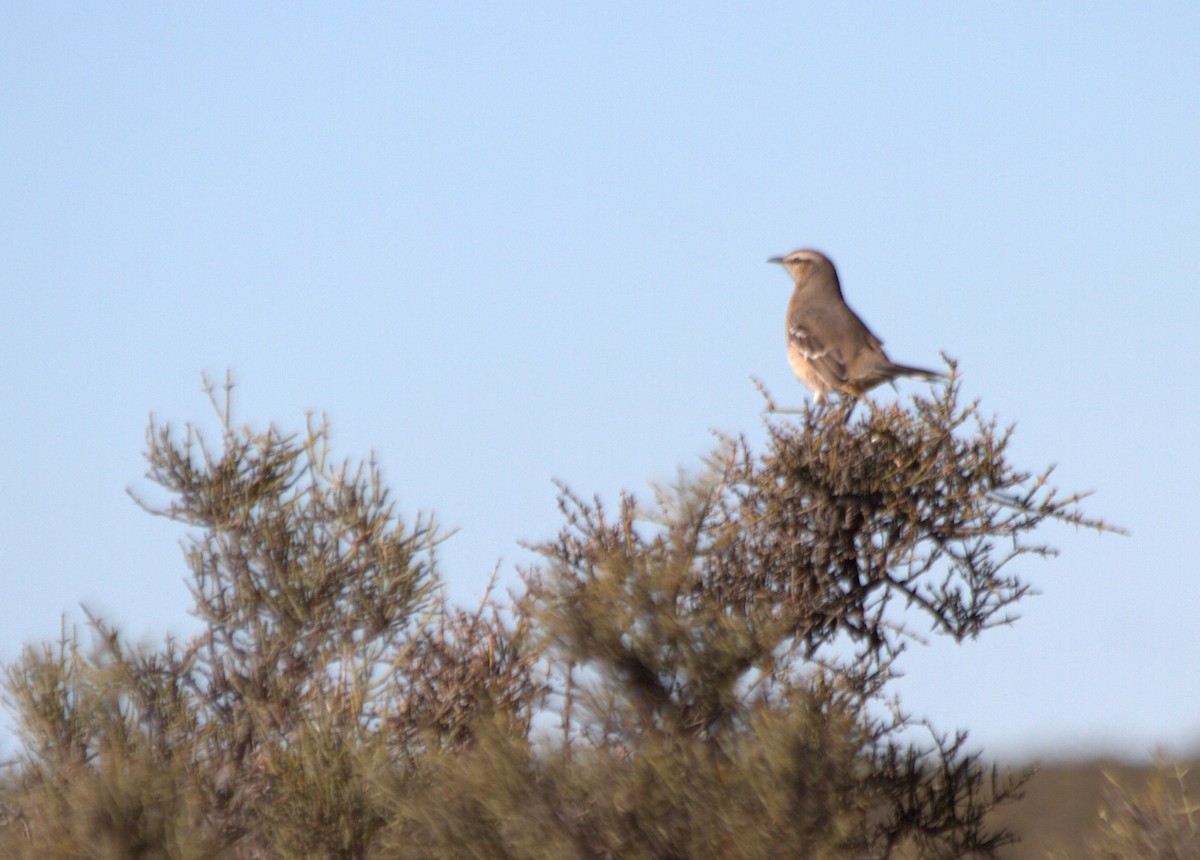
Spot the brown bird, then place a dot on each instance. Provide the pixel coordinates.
(829, 348)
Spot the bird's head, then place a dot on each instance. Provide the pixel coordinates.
(802, 259)
(803, 263)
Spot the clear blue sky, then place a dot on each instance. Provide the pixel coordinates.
(502, 244)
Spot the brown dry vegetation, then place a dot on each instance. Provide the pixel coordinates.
(1104, 808)
(701, 675)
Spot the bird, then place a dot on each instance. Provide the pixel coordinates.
(829, 348)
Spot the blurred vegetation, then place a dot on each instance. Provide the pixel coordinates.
(706, 674)
(1105, 810)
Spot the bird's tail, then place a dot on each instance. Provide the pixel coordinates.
(918, 372)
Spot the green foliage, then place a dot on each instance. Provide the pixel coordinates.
(705, 676)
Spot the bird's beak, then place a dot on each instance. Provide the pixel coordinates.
(778, 260)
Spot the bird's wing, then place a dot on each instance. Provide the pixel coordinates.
(828, 361)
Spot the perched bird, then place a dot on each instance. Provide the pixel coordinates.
(829, 348)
